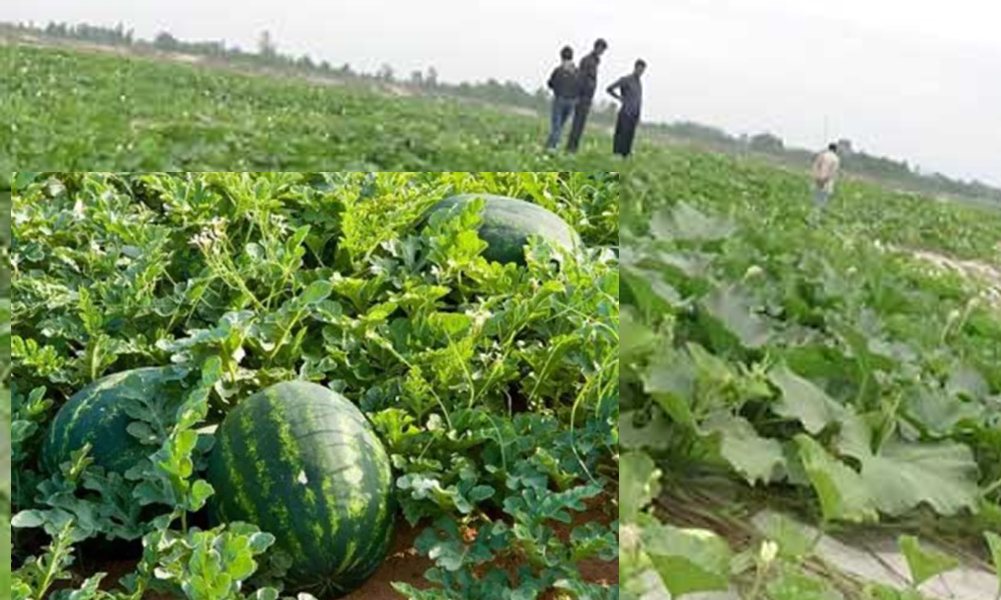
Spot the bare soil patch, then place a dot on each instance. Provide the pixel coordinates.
(404, 564)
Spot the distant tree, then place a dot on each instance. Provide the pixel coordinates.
(120, 36)
(417, 78)
(266, 46)
(767, 142)
(431, 78)
(699, 132)
(305, 62)
(165, 41)
(386, 73)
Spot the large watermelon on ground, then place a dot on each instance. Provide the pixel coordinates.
(99, 415)
(302, 463)
(508, 223)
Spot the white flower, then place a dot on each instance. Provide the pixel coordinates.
(479, 316)
(769, 550)
(629, 537)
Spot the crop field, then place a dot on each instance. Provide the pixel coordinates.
(159, 449)
(788, 376)
(77, 111)
(790, 379)
(5, 471)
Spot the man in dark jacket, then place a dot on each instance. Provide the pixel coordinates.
(587, 75)
(628, 91)
(563, 83)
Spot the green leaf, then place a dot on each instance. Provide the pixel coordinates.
(317, 292)
(804, 401)
(90, 589)
(903, 475)
(201, 491)
(684, 222)
(842, 493)
(994, 543)
(924, 563)
(639, 484)
(654, 435)
(27, 519)
(670, 380)
(939, 413)
(794, 585)
(143, 432)
(754, 457)
(636, 338)
(732, 308)
(259, 542)
(966, 381)
(795, 539)
(687, 560)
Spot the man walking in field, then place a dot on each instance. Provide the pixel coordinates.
(587, 77)
(563, 83)
(825, 172)
(628, 91)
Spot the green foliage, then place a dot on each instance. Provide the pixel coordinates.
(12, 432)
(179, 118)
(494, 387)
(820, 362)
(924, 563)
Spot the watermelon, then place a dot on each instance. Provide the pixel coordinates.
(302, 463)
(508, 223)
(99, 415)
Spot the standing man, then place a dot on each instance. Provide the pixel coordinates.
(563, 83)
(825, 173)
(629, 92)
(587, 76)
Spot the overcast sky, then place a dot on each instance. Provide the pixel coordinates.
(912, 79)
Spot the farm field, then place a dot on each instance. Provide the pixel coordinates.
(157, 318)
(792, 381)
(98, 112)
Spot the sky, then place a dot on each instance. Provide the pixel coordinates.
(910, 79)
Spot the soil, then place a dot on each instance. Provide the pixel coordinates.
(403, 564)
(594, 570)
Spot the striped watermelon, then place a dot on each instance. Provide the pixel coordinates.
(508, 223)
(98, 415)
(302, 463)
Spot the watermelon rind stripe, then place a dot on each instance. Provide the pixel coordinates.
(317, 476)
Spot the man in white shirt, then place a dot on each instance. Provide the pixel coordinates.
(825, 173)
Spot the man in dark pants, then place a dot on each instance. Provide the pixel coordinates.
(563, 83)
(629, 91)
(587, 75)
